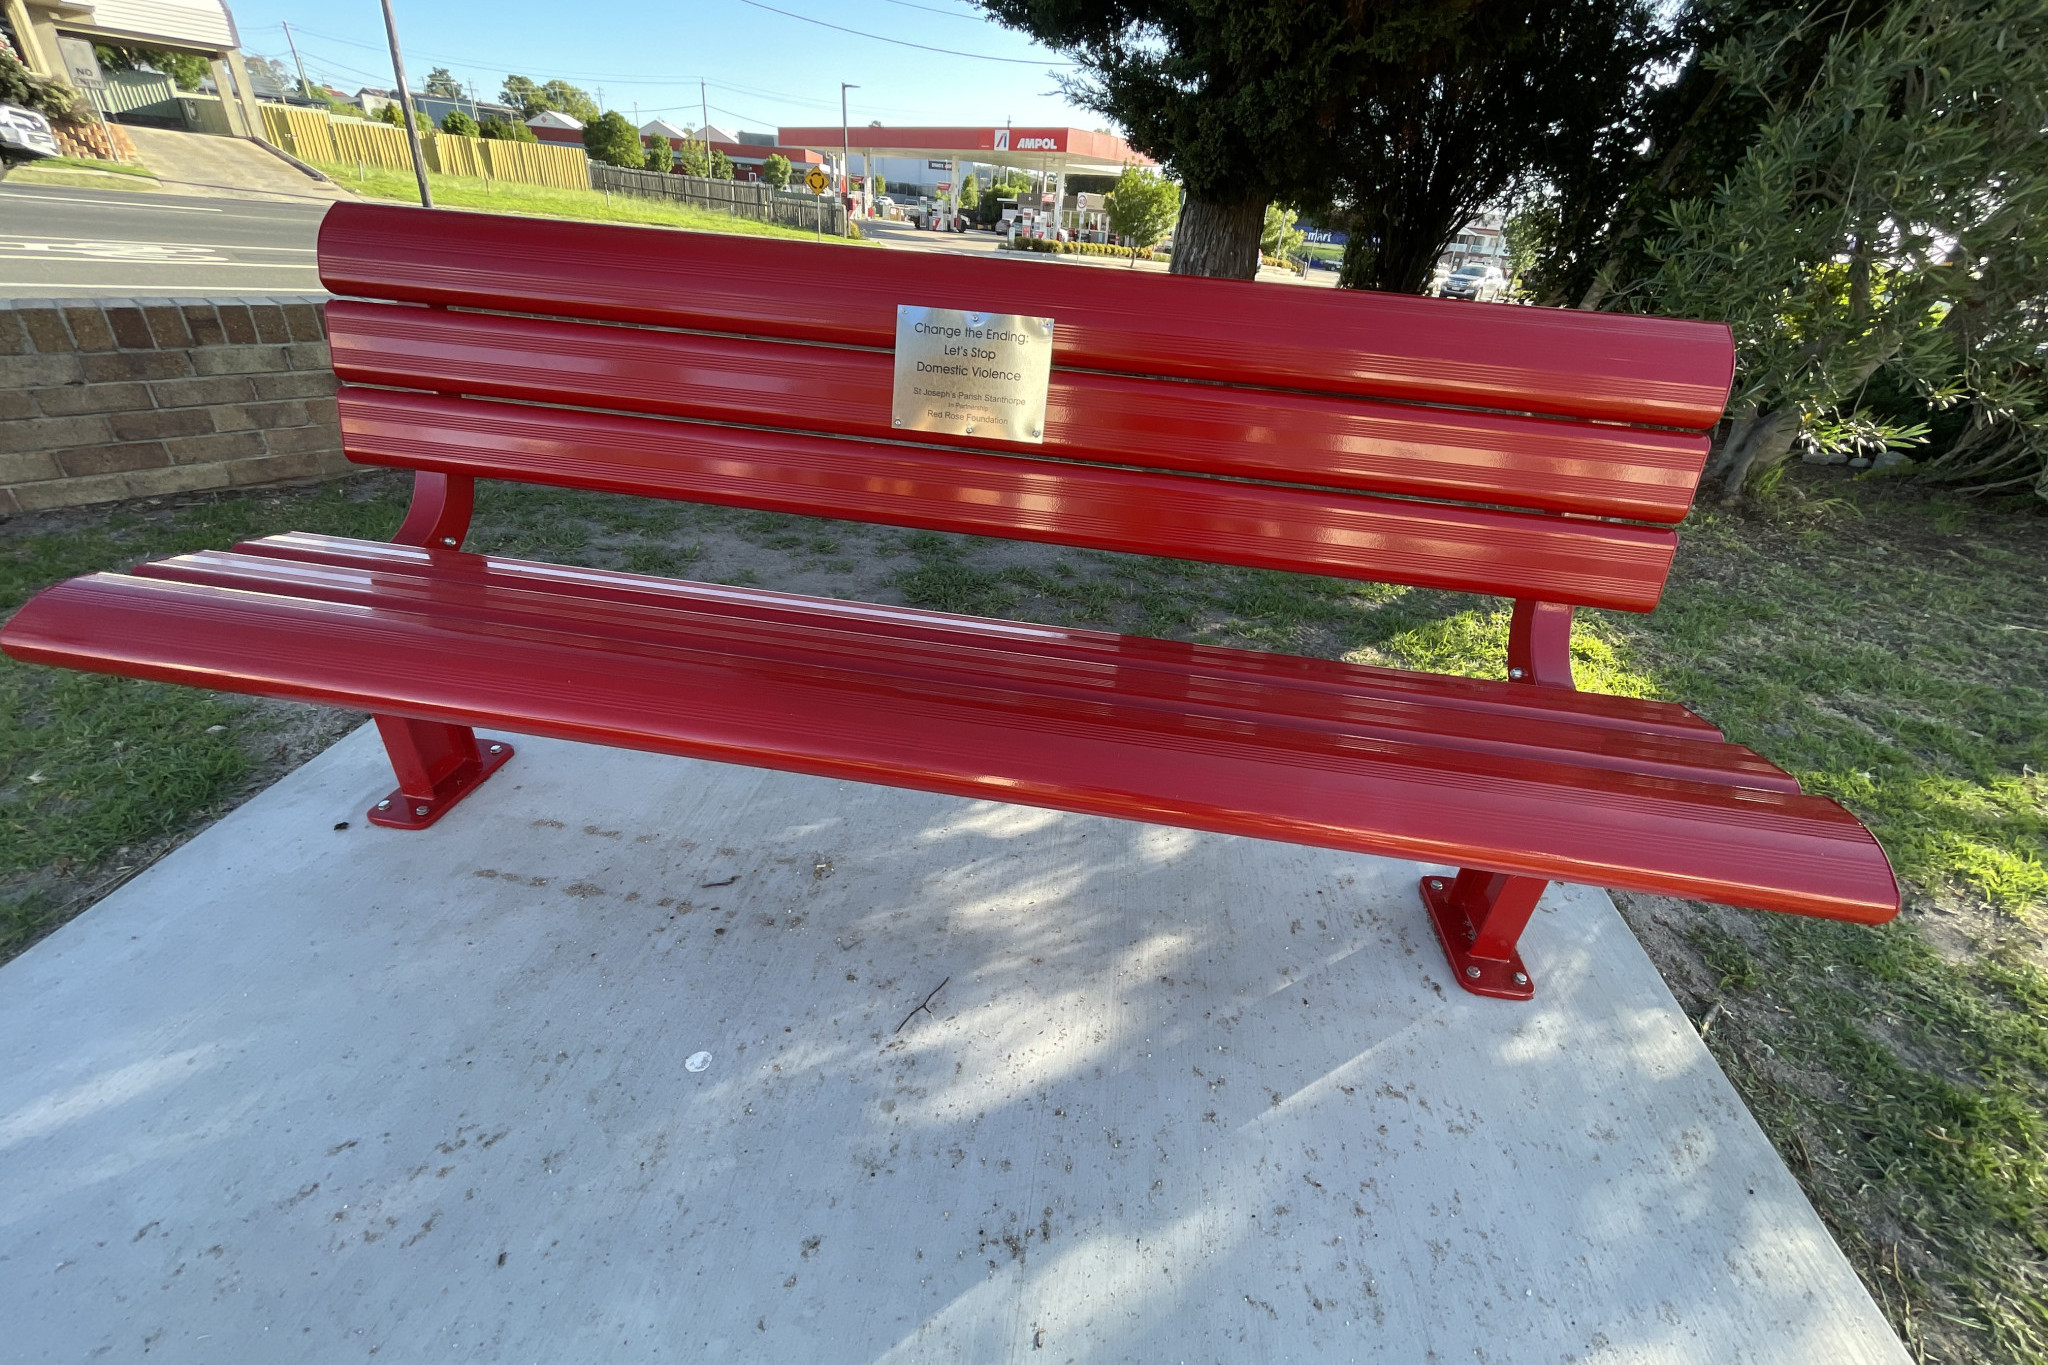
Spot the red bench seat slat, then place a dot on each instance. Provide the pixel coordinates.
(912, 627)
(1611, 367)
(1546, 465)
(804, 634)
(1468, 549)
(558, 674)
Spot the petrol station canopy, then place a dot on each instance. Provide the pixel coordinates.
(1055, 151)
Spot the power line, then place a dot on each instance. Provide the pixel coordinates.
(931, 9)
(943, 51)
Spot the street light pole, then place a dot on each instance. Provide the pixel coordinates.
(412, 129)
(846, 154)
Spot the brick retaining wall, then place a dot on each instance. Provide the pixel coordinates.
(103, 399)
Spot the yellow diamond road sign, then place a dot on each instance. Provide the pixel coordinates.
(817, 181)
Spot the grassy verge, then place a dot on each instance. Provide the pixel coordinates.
(73, 163)
(76, 171)
(545, 201)
(1889, 648)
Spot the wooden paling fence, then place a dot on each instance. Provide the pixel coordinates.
(753, 199)
(565, 168)
(315, 135)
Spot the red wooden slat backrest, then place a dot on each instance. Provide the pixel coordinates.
(1319, 439)
(1605, 366)
(1248, 386)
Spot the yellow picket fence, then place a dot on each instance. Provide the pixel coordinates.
(358, 140)
(315, 135)
(530, 163)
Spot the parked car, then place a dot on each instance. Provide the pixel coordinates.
(25, 135)
(1480, 283)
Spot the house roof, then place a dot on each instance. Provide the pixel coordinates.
(661, 127)
(552, 118)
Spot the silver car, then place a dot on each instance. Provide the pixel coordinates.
(1481, 283)
(25, 135)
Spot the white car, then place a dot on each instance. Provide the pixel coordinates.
(25, 135)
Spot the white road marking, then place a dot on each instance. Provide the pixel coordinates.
(110, 203)
(87, 249)
(9, 237)
(150, 288)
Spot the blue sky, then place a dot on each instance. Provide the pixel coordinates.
(764, 69)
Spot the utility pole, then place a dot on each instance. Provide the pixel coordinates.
(704, 124)
(412, 129)
(304, 88)
(846, 155)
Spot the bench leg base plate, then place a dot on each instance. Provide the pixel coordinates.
(1504, 978)
(399, 811)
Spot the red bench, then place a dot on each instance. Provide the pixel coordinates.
(1535, 454)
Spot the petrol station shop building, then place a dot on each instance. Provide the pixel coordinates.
(940, 158)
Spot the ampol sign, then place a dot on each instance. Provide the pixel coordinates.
(1031, 140)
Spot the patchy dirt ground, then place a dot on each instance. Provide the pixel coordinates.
(1887, 645)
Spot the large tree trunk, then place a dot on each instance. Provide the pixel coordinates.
(1218, 239)
(1393, 262)
(1769, 443)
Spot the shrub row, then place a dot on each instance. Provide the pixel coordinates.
(1143, 253)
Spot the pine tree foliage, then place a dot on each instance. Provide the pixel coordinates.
(1244, 100)
(1519, 93)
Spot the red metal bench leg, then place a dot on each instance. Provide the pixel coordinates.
(1478, 917)
(437, 765)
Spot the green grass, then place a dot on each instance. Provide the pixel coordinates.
(545, 201)
(1888, 647)
(96, 773)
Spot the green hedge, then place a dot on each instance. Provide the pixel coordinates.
(1143, 253)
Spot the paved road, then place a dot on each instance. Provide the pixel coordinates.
(979, 243)
(66, 243)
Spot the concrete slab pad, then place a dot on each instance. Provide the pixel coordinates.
(309, 1094)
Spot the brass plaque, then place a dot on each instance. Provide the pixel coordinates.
(972, 374)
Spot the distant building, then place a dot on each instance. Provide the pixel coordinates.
(661, 127)
(551, 125)
(748, 152)
(438, 107)
(1483, 241)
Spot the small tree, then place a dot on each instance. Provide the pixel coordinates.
(970, 192)
(1141, 207)
(441, 82)
(661, 156)
(532, 98)
(500, 131)
(523, 94)
(1279, 237)
(775, 170)
(394, 116)
(693, 158)
(612, 140)
(571, 100)
(721, 165)
(460, 124)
